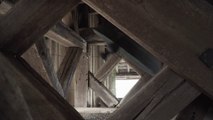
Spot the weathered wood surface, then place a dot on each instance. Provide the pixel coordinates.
(106, 96)
(176, 32)
(128, 48)
(12, 102)
(141, 82)
(197, 110)
(81, 77)
(41, 98)
(156, 98)
(18, 31)
(65, 36)
(151, 64)
(32, 55)
(107, 67)
(44, 53)
(68, 67)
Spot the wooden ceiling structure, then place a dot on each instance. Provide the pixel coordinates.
(167, 42)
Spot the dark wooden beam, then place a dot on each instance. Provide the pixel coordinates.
(177, 32)
(106, 96)
(165, 95)
(107, 67)
(19, 31)
(12, 102)
(128, 48)
(44, 54)
(197, 110)
(41, 98)
(68, 67)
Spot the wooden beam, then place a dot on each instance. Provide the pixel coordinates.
(158, 96)
(197, 110)
(129, 48)
(107, 67)
(81, 77)
(68, 67)
(13, 104)
(19, 33)
(44, 53)
(41, 98)
(176, 39)
(65, 36)
(141, 82)
(106, 96)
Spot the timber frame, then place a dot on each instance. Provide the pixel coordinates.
(58, 55)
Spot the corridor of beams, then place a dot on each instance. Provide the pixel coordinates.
(106, 59)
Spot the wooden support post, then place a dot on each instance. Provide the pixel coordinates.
(108, 98)
(81, 77)
(176, 39)
(107, 67)
(157, 98)
(68, 67)
(44, 53)
(13, 104)
(41, 98)
(17, 34)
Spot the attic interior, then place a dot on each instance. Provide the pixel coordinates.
(106, 60)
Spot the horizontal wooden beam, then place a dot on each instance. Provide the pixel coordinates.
(108, 98)
(177, 33)
(163, 91)
(19, 33)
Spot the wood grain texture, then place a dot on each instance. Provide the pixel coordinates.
(106, 96)
(68, 67)
(41, 98)
(107, 67)
(19, 31)
(12, 101)
(65, 36)
(152, 96)
(44, 54)
(174, 31)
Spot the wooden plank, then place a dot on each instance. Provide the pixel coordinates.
(107, 67)
(176, 32)
(44, 53)
(68, 67)
(106, 96)
(17, 34)
(65, 36)
(32, 57)
(81, 77)
(129, 48)
(41, 98)
(197, 110)
(13, 104)
(165, 86)
(141, 82)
